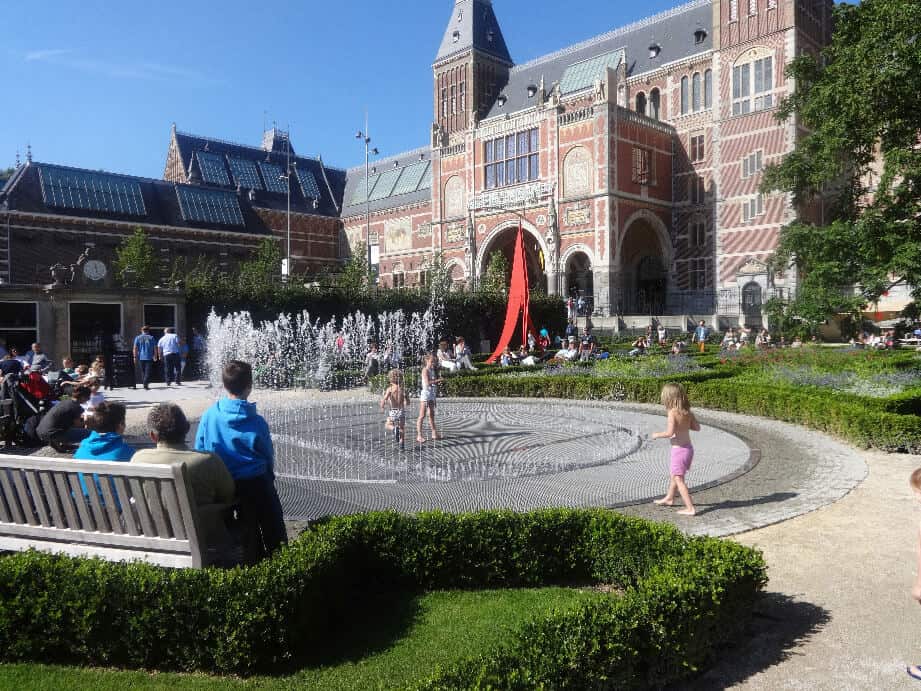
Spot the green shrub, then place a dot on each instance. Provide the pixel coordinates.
(684, 596)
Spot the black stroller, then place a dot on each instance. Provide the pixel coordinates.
(20, 412)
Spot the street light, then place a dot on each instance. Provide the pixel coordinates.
(286, 266)
(369, 151)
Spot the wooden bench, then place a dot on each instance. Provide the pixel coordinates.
(145, 512)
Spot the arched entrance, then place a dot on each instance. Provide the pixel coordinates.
(644, 262)
(504, 242)
(579, 277)
(751, 304)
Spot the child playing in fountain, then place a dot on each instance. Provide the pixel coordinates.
(681, 422)
(239, 436)
(397, 398)
(429, 394)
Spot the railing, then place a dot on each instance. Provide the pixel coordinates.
(453, 150)
(575, 116)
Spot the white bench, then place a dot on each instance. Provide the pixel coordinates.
(148, 515)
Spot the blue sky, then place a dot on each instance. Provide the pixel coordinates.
(97, 83)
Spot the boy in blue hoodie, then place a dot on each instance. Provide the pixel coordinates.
(105, 442)
(233, 430)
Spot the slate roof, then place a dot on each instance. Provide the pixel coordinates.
(24, 192)
(330, 181)
(391, 186)
(473, 25)
(672, 30)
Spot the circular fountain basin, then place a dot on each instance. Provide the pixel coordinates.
(336, 456)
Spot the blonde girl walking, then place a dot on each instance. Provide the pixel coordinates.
(427, 397)
(397, 399)
(681, 422)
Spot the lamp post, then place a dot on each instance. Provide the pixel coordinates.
(369, 151)
(286, 266)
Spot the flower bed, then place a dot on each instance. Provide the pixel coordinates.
(681, 598)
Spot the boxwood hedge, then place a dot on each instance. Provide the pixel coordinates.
(682, 597)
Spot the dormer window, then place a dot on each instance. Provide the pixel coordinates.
(490, 35)
(700, 36)
(456, 36)
(502, 100)
(532, 91)
(654, 50)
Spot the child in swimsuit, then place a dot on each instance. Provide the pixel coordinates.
(427, 397)
(397, 398)
(681, 422)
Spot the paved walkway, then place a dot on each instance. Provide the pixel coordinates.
(837, 614)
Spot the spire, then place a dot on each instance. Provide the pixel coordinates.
(29, 153)
(473, 26)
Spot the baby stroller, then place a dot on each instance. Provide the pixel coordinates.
(21, 410)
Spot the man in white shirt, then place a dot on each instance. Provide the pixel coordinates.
(168, 349)
(446, 357)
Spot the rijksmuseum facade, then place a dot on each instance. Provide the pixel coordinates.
(632, 162)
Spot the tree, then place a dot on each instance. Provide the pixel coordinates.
(263, 269)
(860, 104)
(439, 275)
(136, 264)
(355, 276)
(496, 278)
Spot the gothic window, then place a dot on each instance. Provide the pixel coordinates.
(641, 103)
(697, 231)
(708, 89)
(512, 159)
(733, 10)
(695, 91)
(684, 95)
(752, 83)
(577, 172)
(444, 103)
(699, 274)
(654, 104)
(697, 147)
(453, 100)
(696, 189)
(454, 197)
(463, 97)
(643, 166)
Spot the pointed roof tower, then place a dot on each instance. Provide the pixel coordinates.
(473, 26)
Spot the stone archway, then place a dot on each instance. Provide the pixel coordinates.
(502, 239)
(644, 254)
(579, 276)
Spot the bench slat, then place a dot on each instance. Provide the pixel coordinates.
(171, 559)
(60, 481)
(111, 506)
(51, 496)
(172, 510)
(86, 523)
(22, 495)
(141, 504)
(6, 510)
(152, 490)
(99, 517)
(127, 507)
(54, 535)
(35, 492)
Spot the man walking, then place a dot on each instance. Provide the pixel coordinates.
(701, 333)
(168, 349)
(144, 354)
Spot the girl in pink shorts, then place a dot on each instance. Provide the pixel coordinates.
(681, 422)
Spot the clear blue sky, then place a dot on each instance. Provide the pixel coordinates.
(96, 83)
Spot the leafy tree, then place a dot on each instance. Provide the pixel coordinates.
(498, 273)
(263, 269)
(439, 275)
(355, 276)
(136, 264)
(860, 103)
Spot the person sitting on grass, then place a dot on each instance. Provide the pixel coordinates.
(462, 355)
(232, 429)
(639, 347)
(446, 357)
(213, 488)
(570, 352)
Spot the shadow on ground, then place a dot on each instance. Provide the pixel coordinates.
(778, 626)
(774, 498)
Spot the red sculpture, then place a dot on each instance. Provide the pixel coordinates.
(519, 296)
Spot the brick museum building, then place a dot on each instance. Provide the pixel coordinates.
(631, 160)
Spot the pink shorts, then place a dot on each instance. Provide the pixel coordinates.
(681, 460)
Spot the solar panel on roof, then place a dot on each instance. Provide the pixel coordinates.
(244, 173)
(583, 74)
(358, 197)
(385, 183)
(426, 182)
(209, 206)
(79, 189)
(274, 177)
(410, 178)
(212, 167)
(308, 184)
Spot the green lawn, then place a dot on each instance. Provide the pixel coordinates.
(396, 642)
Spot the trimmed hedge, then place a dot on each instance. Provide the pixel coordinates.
(869, 423)
(683, 598)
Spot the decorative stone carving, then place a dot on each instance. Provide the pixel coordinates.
(600, 88)
(577, 172)
(424, 230)
(455, 232)
(752, 267)
(454, 197)
(398, 235)
(578, 215)
(355, 238)
(470, 247)
(552, 237)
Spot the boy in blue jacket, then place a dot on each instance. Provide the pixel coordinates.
(105, 442)
(233, 430)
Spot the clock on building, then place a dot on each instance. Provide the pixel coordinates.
(94, 270)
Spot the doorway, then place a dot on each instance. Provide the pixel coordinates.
(91, 324)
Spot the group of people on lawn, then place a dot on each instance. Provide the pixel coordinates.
(232, 464)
